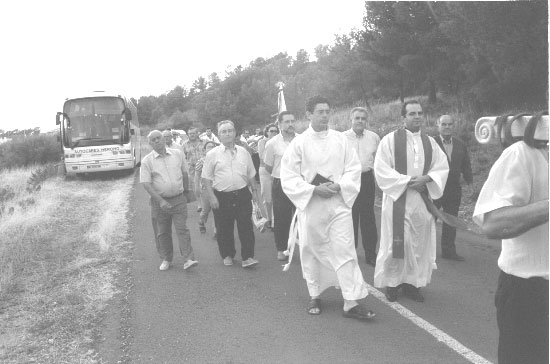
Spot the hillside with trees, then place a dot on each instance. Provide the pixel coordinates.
(491, 56)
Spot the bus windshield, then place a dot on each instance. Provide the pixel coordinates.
(95, 121)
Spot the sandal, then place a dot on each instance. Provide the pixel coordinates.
(314, 306)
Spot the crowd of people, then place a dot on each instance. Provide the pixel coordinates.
(323, 181)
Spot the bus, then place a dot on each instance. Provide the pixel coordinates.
(99, 132)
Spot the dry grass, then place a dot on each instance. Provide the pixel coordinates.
(58, 260)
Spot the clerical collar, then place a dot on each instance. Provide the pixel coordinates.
(322, 133)
(416, 133)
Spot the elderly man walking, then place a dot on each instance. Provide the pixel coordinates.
(365, 143)
(408, 165)
(459, 164)
(163, 174)
(320, 174)
(228, 175)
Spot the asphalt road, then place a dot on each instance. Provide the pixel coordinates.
(219, 314)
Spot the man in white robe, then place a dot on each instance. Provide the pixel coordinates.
(325, 226)
(414, 269)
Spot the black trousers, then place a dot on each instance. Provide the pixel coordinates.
(522, 318)
(234, 206)
(363, 215)
(283, 210)
(450, 203)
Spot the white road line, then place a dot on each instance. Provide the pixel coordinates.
(431, 329)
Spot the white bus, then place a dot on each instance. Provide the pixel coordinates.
(99, 132)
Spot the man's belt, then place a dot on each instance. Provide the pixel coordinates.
(234, 193)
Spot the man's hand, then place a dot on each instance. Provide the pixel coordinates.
(325, 191)
(418, 183)
(214, 203)
(164, 205)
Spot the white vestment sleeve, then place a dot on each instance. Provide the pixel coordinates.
(439, 170)
(294, 186)
(392, 183)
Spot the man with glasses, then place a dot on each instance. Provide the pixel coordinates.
(228, 175)
(408, 164)
(365, 143)
(320, 174)
(283, 209)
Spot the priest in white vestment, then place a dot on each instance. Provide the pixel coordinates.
(413, 268)
(325, 227)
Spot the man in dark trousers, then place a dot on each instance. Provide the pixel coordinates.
(459, 163)
(365, 143)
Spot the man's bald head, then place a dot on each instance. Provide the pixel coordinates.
(156, 141)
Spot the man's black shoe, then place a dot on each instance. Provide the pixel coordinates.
(371, 261)
(413, 293)
(391, 294)
(454, 256)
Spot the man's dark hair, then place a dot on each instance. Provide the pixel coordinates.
(314, 101)
(283, 113)
(404, 106)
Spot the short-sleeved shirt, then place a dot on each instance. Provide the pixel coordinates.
(164, 172)
(193, 151)
(365, 146)
(274, 150)
(519, 177)
(229, 169)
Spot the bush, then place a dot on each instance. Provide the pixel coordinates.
(25, 151)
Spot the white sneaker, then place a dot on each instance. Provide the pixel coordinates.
(228, 261)
(250, 262)
(190, 263)
(165, 265)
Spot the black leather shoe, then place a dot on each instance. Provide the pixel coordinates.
(371, 261)
(391, 294)
(413, 293)
(454, 256)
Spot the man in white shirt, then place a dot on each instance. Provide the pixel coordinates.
(164, 176)
(513, 206)
(365, 143)
(169, 141)
(283, 209)
(208, 135)
(228, 173)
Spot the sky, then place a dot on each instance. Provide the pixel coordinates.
(56, 49)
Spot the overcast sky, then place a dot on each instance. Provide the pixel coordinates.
(54, 49)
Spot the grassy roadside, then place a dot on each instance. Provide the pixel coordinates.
(58, 263)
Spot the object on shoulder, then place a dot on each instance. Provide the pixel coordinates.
(318, 179)
(507, 129)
